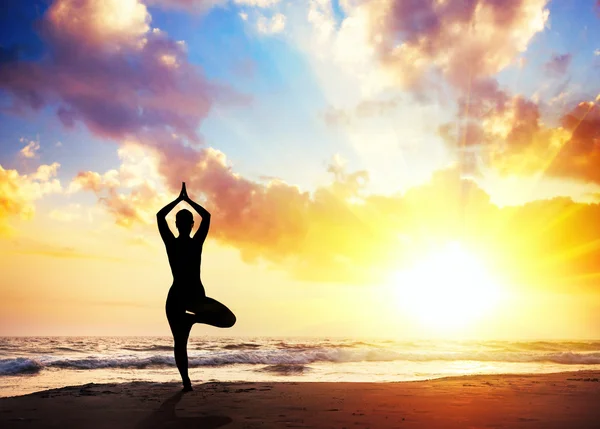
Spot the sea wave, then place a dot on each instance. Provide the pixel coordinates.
(67, 349)
(284, 369)
(21, 346)
(20, 365)
(241, 346)
(150, 348)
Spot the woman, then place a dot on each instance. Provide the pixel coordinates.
(187, 302)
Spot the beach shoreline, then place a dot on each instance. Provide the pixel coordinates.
(555, 400)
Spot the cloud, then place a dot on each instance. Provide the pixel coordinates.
(558, 64)
(579, 156)
(273, 221)
(201, 6)
(130, 194)
(456, 41)
(19, 191)
(276, 24)
(108, 69)
(124, 80)
(437, 52)
(341, 53)
(29, 151)
(340, 233)
(512, 137)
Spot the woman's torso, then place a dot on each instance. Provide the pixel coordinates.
(185, 256)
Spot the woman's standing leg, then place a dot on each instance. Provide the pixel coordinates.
(181, 324)
(181, 333)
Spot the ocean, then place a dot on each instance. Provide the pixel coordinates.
(30, 364)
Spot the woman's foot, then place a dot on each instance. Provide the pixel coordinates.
(187, 385)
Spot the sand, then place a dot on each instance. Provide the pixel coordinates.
(563, 400)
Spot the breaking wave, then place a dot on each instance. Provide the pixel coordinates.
(287, 360)
(19, 366)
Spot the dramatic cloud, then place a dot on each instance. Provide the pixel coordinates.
(276, 221)
(457, 41)
(339, 233)
(511, 137)
(439, 53)
(129, 193)
(579, 157)
(454, 49)
(124, 80)
(19, 191)
(108, 69)
(558, 64)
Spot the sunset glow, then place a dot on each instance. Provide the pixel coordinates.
(433, 166)
(447, 289)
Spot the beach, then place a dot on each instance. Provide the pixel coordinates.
(33, 364)
(557, 400)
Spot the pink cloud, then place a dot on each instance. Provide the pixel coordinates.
(457, 41)
(339, 233)
(456, 47)
(119, 77)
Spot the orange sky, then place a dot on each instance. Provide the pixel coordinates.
(357, 155)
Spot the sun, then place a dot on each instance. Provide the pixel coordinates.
(447, 290)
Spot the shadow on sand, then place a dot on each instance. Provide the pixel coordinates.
(165, 417)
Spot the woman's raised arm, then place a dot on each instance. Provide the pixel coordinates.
(163, 227)
(204, 214)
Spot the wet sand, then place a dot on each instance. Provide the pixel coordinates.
(561, 400)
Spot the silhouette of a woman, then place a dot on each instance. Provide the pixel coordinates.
(187, 302)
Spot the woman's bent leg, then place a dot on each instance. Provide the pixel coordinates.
(212, 312)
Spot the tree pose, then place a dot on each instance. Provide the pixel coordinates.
(187, 302)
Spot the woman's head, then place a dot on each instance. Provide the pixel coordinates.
(184, 220)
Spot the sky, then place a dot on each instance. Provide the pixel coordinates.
(374, 168)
